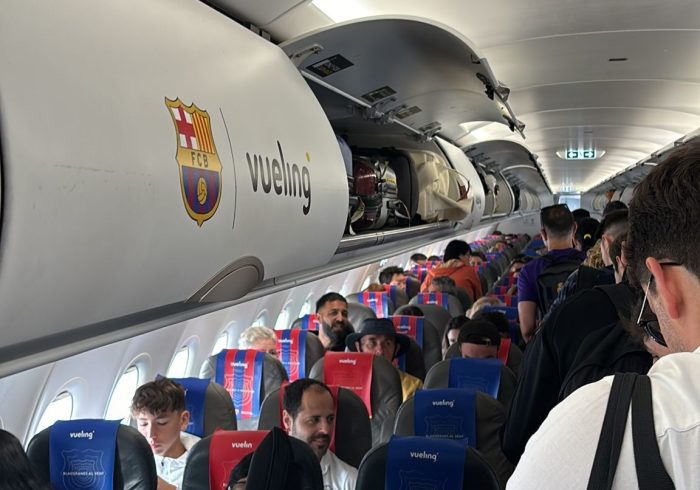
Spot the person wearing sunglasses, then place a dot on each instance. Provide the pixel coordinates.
(664, 260)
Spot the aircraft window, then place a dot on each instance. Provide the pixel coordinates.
(220, 344)
(61, 408)
(180, 363)
(306, 309)
(383, 263)
(283, 319)
(365, 285)
(120, 401)
(261, 320)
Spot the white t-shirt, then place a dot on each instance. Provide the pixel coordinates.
(171, 470)
(560, 455)
(337, 474)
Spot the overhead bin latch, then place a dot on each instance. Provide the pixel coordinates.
(300, 56)
(376, 112)
(429, 131)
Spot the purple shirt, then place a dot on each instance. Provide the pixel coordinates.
(527, 279)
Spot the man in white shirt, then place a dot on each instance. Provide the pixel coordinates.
(664, 258)
(159, 410)
(309, 416)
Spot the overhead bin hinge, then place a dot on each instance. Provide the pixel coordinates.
(429, 131)
(299, 57)
(376, 112)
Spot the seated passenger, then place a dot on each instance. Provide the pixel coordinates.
(479, 339)
(374, 287)
(259, 338)
(418, 259)
(393, 276)
(496, 318)
(456, 266)
(483, 302)
(477, 259)
(517, 264)
(332, 313)
(378, 336)
(16, 470)
(309, 416)
(159, 410)
(558, 228)
(452, 332)
(664, 260)
(434, 258)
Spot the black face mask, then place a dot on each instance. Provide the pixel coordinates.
(337, 337)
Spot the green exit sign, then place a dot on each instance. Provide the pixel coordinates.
(580, 155)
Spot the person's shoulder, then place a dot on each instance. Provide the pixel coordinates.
(189, 440)
(349, 472)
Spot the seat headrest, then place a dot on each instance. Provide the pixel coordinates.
(378, 302)
(412, 287)
(412, 361)
(397, 295)
(436, 315)
(227, 448)
(307, 322)
(358, 313)
(386, 395)
(447, 301)
(298, 350)
(271, 375)
(133, 462)
(425, 334)
(476, 472)
(210, 406)
(353, 432)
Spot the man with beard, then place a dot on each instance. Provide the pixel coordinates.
(332, 312)
(308, 415)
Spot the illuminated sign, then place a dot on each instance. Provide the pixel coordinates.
(580, 154)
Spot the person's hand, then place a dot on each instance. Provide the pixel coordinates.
(163, 485)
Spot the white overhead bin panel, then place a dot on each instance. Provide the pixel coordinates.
(410, 71)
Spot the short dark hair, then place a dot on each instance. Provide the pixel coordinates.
(412, 310)
(327, 298)
(613, 206)
(418, 256)
(616, 249)
(557, 220)
(614, 224)
(455, 249)
(445, 284)
(455, 323)
(581, 213)
(434, 258)
(386, 275)
(159, 396)
(496, 318)
(17, 472)
(294, 392)
(586, 232)
(476, 253)
(665, 212)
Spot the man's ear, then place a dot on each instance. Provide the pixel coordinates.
(543, 232)
(184, 420)
(287, 421)
(668, 290)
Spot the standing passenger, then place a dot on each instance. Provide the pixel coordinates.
(456, 266)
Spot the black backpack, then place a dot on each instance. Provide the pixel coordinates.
(608, 350)
(554, 275)
(589, 277)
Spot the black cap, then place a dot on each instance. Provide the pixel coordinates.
(479, 332)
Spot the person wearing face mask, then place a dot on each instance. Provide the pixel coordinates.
(332, 313)
(309, 416)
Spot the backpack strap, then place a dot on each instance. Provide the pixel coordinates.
(651, 473)
(621, 296)
(612, 432)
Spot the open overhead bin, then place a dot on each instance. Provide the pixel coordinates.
(389, 86)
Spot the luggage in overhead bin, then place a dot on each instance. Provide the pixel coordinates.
(444, 193)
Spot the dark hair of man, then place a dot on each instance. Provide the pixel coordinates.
(159, 396)
(614, 224)
(417, 257)
(240, 471)
(557, 221)
(616, 249)
(294, 392)
(581, 213)
(16, 470)
(445, 285)
(455, 323)
(386, 275)
(455, 249)
(613, 206)
(329, 297)
(481, 255)
(665, 212)
(412, 310)
(496, 318)
(434, 258)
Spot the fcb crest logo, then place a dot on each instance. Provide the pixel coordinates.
(200, 167)
(83, 469)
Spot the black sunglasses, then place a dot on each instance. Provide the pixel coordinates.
(650, 325)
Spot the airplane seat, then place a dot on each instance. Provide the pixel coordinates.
(438, 316)
(412, 361)
(428, 339)
(482, 280)
(270, 377)
(133, 463)
(379, 302)
(464, 298)
(491, 274)
(487, 375)
(289, 343)
(412, 286)
(307, 322)
(210, 406)
(447, 301)
(513, 361)
(488, 416)
(210, 461)
(353, 432)
(398, 296)
(385, 392)
(358, 313)
(477, 473)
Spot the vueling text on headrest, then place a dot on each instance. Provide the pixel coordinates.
(242, 445)
(348, 361)
(425, 455)
(444, 403)
(82, 435)
(280, 176)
